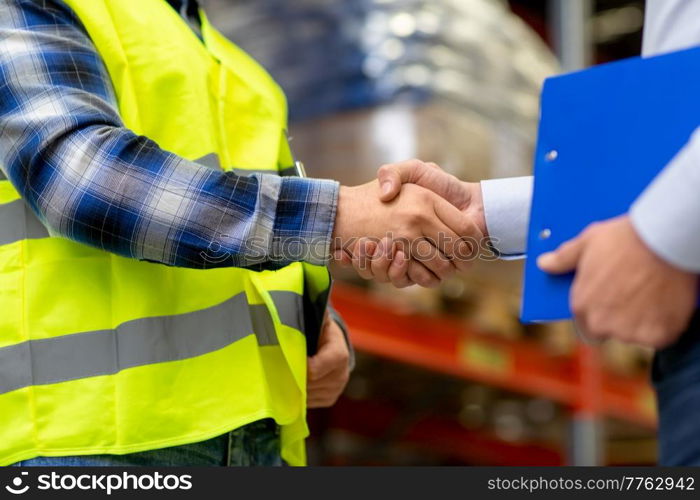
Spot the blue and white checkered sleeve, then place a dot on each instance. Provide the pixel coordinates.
(90, 179)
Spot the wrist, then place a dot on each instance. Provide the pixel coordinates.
(476, 206)
(346, 217)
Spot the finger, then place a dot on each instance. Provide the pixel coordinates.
(581, 332)
(392, 176)
(460, 233)
(434, 260)
(323, 401)
(440, 233)
(362, 257)
(332, 353)
(427, 175)
(421, 276)
(346, 252)
(417, 273)
(381, 261)
(446, 242)
(564, 259)
(326, 391)
(398, 270)
(321, 364)
(342, 258)
(589, 331)
(333, 381)
(321, 386)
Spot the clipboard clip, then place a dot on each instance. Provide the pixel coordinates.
(299, 169)
(298, 166)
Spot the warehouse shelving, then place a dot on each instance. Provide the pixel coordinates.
(439, 434)
(448, 346)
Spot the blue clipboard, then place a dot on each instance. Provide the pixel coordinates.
(604, 134)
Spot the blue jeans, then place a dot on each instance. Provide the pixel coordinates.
(256, 444)
(676, 376)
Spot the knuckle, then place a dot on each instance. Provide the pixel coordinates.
(563, 248)
(444, 266)
(414, 217)
(384, 170)
(341, 357)
(426, 196)
(660, 342)
(592, 229)
(598, 326)
(466, 228)
(657, 336)
(578, 307)
(401, 282)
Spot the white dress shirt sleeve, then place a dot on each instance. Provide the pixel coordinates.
(507, 212)
(667, 214)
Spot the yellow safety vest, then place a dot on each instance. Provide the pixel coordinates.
(104, 354)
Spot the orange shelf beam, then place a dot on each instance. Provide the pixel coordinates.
(448, 346)
(440, 434)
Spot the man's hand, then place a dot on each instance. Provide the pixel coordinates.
(328, 370)
(426, 228)
(622, 290)
(465, 196)
(379, 261)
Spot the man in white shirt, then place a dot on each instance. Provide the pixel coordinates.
(636, 275)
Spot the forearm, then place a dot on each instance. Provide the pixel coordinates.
(88, 178)
(123, 194)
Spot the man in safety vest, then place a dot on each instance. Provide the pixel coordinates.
(162, 275)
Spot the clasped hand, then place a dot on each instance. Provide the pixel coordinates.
(621, 290)
(415, 224)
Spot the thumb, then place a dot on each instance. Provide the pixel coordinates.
(393, 175)
(322, 363)
(427, 175)
(564, 259)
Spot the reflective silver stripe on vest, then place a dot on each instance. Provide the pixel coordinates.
(18, 222)
(212, 161)
(144, 342)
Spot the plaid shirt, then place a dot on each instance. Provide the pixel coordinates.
(89, 178)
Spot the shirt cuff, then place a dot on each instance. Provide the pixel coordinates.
(507, 213)
(666, 215)
(305, 212)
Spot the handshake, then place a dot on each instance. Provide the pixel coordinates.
(415, 224)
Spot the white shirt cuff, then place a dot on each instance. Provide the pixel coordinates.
(507, 212)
